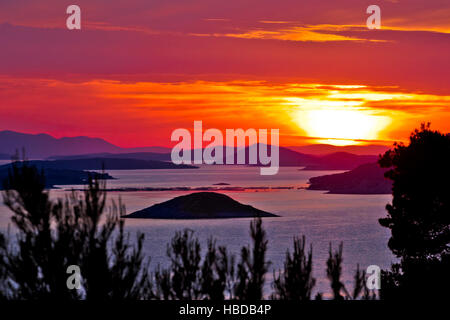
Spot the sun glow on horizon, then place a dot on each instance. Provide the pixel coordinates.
(351, 115)
(341, 126)
(123, 111)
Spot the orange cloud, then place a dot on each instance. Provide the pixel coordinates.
(312, 33)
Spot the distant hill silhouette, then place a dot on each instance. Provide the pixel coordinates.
(40, 146)
(200, 205)
(323, 149)
(135, 155)
(106, 163)
(334, 161)
(340, 161)
(44, 145)
(288, 158)
(365, 179)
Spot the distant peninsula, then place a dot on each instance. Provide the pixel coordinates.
(107, 164)
(55, 177)
(365, 179)
(200, 205)
(339, 161)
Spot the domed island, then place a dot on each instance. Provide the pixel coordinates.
(200, 205)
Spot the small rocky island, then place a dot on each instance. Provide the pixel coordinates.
(200, 205)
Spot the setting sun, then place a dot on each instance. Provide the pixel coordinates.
(341, 127)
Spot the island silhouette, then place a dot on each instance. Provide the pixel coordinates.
(200, 205)
(366, 179)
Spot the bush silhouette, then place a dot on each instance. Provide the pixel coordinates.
(182, 280)
(217, 273)
(419, 215)
(296, 282)
(253, 266)
(53, 235)
(334, 272)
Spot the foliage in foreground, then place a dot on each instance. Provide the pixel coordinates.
(419, 216)
(52, 235)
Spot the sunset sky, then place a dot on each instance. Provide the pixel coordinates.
(140, 69)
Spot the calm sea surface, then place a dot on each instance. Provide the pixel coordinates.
(322, 218)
